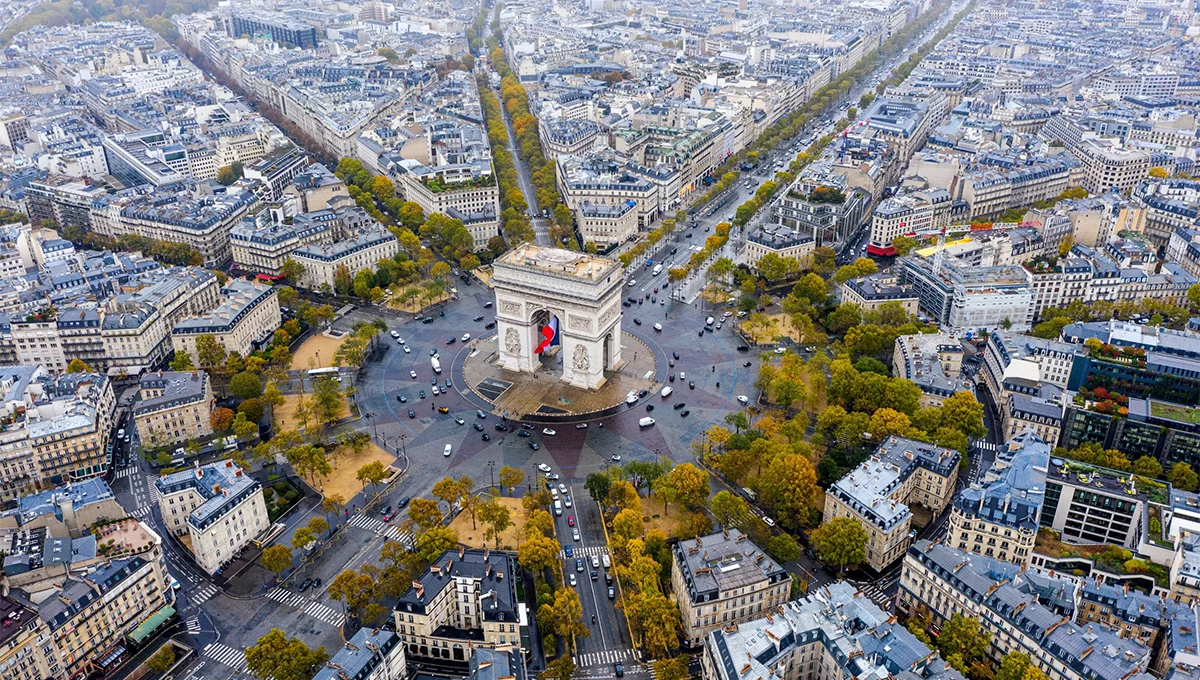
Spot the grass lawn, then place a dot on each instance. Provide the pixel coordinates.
(322, 344)
(342, 480)
(1180, 414)
(475, 537)
(285, 415)
(653, 517)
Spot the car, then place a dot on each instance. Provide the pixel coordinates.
(552, 476)
(486, 437)
(572, 579)
(553, 491)
(678, 405)
(701, 333)
(401, 398)
(649, 407)
(616, 458)
(567, 501)
(403, 502)
(478, 319)
(684, 413)
(436, 391)
(611, 595)
(632, 283)
(571, 523)
(574, 534)
(542, 467)
(412, 374)
(418, 318)
(395, 334)
(400, 341)
(688, 235)
(637, 321)
(526, 426)
(448, 383)
(743, 348)
(671, 363)
(743, 399)
(443, 409)
(407, 350)
(548, 432)
(451, 341)
(608, 580)
(675, 355)
(466, 337)
(305, 585)
(578, 562)
(433, 352)
(387, 509)
(567, 549)
(433, 381)
(412, 413)
(727, 314)
(581, 426)
(746, 364)
(487, 305)
(477, 426)
(534, 446)
(388, 517)
(620, 669)
(428, 320)
(780, 350)
(562, 488)
(625, 304)
(421, 394)
(447, 450)
(671, 377)
(768, 521)
(691, 384)
(480, 414)
(595, 562)
(595, 576)
(682, 375)
(523, 433)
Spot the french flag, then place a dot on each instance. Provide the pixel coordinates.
(549, 336)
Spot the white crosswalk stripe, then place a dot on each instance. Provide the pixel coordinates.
(382, 528)
(317, 610)
(193, 625)
(202, 594)
(153, 489)
(588, 551)
(604, 658)
(984, 445)
(880, 598)
(140, 513)
(226, 655)
(125, 472)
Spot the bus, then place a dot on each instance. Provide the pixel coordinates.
(332, 372)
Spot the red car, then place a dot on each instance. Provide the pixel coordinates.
(388, 517)
(570, 520)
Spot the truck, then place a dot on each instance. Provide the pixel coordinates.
(437, 365)
(657, 270)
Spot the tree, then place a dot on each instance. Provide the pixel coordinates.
(659, 621)
(425, 513)
(627, 524)
(209, 352)
(963, 412)
(1182, 477)
(1159, 173)
(562, 668)
(1148, 467)
(686, 485)
(568, 614)
(496, 517)
(840, 542)
(245, 385)
(278, 657)
(597, 485)
(79, 366)
(783, 548)
(729, 509)
(272, 396)
(221, 418)
(671, 669)
(252, 409)
(328, 399)
(962, 642)
(372, 473)
(1017, 666)
(244, 429)
(789, 486)
(162, 660)
(511, 477)
(182, 361)
(539, 553)
(431, 544)
(290, 270)
(276, 559)
(354, 589)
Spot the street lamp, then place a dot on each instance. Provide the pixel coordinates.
(656, 456)
(402, 446)
(492, 468)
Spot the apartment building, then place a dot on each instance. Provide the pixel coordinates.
(724, 579)
(313, 189)
(1023, 611)
(824, 206)
(1011, 360)
(904, 122)
(1183, 248)
(66, 511)
(462, 182)
(274, 173)
(219, 507)
(599, 179)
(1036, 407)
(173, 407)
(246, 318)
(917, 212)
(1109, 166)
(834, 633)
(605, 224)
(565, 137)
(372, 654)
(778, 240)
(873, 291)
(21, 642)
(360, 251)
(261, 245)
(932, 362)
(464, 601)
(998, 516)
(964, 298)
(901, 472)
(63, 200)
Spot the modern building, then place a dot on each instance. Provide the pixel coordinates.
(464, 601)
(966, 299)
(901, 472)
(724, 579)
(1161, 429)
(823, 206)
(246, 318)
(276, 26)
(275, 173)
(932, 362)
(218, 507)
(173, 407)
(63, 200)
(998, 516)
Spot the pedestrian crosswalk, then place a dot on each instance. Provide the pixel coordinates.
(982, 445)
(603, 658)
(317, 610)
(193, 625)
(140, 513)
(880, 598)
(226, 655)
(153, 489)
(383, 529)
(581, 551)
(202, 594)
(125, 472)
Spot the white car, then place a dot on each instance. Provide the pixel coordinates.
(436, 391)
(682, 375)
(743, 399)
(658, 327)
(459, 420)
(573, 581)
(466, 337)
(446, 451)
(632, 283)
(616, 457)
(666, 391)
(399, 341)
(395, 334)
(567, 501)
(562, 488)
(412, 374)
(548, 432)
(554, 493)
(407, 350)
(542, 467)
(574, 537)
(780, 350)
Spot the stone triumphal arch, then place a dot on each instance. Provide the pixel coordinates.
(538, 288)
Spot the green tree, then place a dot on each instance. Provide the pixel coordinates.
(276, 559)
(252, 409)
(162, 660)
(209, 352)
(328, 399)
(1182, 477)
(182, 361)
(597, 485)
(783, 548)
(1017, 666)
(372, 473)
(729, 509)
(562, 668)
(1147, 466)
(962, 642)
(432, 543)
(245, 385)
(243, 428)
(841, 542)
(278, 657)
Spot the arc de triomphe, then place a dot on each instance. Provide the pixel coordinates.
(534, 284)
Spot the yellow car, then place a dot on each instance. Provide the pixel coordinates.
(443, 409)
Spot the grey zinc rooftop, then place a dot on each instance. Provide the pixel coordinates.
(723, 561)
(1012, 491)
(222, 484)
(494, 571)
(178, 387)
(358, 655)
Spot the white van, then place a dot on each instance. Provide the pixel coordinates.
(709, 321)
(645, 422)
(666, 391)
(558, 508)
(605, 560)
